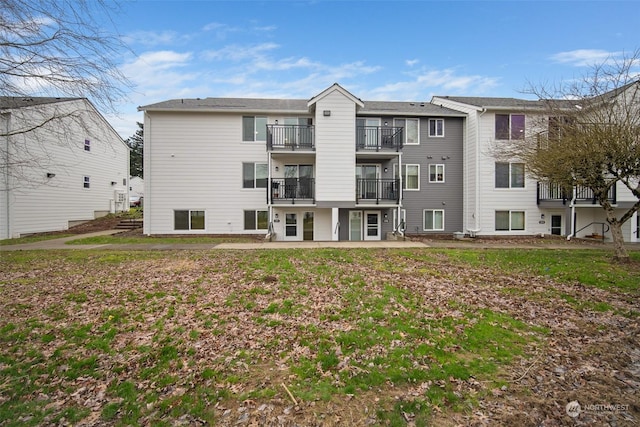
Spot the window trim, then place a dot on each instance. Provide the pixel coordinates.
(86, 182)
(255, 131)
(436, 128)
(433, 211)
(509, 130)
(256, 212)
(404, 180)
(190, 216)
(436, 165)
(404, 133)
(255, 174)
(511, 212)
(510, 176)
(87, 145)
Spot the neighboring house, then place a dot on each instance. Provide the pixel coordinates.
(500, 199)
(333, 167)
(62, 164)
(136, 186)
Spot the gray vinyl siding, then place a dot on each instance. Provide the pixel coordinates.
(447, 196)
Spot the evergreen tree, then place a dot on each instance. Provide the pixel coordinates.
(136, 144)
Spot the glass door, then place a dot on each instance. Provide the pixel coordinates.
(291, 226)
(367, 178)
(307, 226)
(355, 225)
(372, 224)
(556, 225)
(368, 130)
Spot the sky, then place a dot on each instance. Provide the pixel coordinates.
(377, 50)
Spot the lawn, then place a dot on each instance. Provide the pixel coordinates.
(318, 337)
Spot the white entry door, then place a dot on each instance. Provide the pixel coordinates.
(291, 226)
(371, 225)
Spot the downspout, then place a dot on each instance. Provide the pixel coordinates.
(573, 214)
(476, 214)
(146, 170)
(6, 174)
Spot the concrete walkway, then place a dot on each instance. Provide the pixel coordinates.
(57, 244)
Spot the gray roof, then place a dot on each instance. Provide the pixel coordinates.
(21, 101)
(298, 106)
(489, 102)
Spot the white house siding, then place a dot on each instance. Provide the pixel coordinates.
(197, 165)
(32, 202)
(335, 148)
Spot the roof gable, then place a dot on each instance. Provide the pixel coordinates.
(333, 88)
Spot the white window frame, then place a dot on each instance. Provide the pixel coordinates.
(255, 174)
(436, 135)
(255, 131)
(511, 180)
(404, 178)
(436, 166)
(189, 212)
(511, 212)
(510, 130)
(404, 133)
(86, 182)
(433, 217)
(255, 219)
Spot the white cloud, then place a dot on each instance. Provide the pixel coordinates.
(411, 62)
(427, 82)
(584, 57)
(155, 38)
(237, 52)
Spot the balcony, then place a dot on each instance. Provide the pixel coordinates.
(377, 190)
(290, 137)
(551, 192)
(292, 190)
(378, 138)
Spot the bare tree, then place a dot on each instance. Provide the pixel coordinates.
(52, 52)
(65, 48)
(589, 137)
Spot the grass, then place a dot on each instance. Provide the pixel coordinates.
(135, 240)
(32, 239)
(154, 337)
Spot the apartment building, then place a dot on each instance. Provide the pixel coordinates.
(332, 167)
(499, 198)
(62, 164)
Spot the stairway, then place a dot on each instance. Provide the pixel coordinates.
(129, 224)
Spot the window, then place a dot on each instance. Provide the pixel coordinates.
(86, 182)
(436, 173)
(87, 145)
(411, 130)
(256, 220)
(188, 220)
(410, 176)
(436, 127)
(433, 219)
(509, 175)
(509, 220)
(254, 128)
(254, 175)
(510, 126)
(559, 125)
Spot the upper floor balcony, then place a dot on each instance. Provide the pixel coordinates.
(377, 190)
(291, 137)
(556, 194)
(378, 138)
(292, 191)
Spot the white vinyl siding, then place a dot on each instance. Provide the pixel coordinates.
(52, 195)
(335, 148)
(207, 173)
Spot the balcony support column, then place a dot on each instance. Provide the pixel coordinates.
(335, 224)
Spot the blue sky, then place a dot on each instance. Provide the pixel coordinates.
(378, 50)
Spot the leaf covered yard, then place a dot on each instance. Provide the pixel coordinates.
(318, 337)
